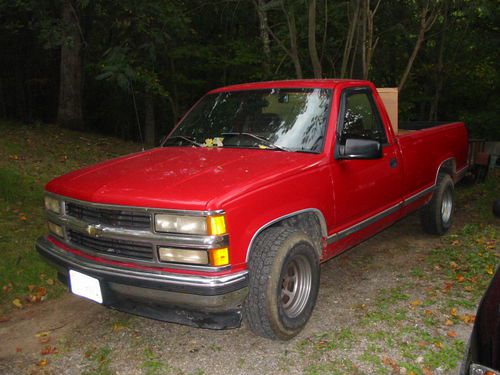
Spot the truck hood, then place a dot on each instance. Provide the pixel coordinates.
(180, 177)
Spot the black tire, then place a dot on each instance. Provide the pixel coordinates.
(276, 307)
(496, 208)
(437, 215)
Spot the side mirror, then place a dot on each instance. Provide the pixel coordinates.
(360, 149)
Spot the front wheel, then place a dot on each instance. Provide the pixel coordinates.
(436, 216)
(284, 282)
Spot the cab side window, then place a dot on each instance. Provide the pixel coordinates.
(361, 118)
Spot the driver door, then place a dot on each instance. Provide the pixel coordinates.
(364, 189)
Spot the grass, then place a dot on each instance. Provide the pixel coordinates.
(99, 361)
(30, 156)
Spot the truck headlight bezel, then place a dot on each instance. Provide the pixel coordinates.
(189, 224)
(184, 256)
(52, 204)
(183, 224)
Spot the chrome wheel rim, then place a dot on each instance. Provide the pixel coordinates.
(296, 284)
(446, 206)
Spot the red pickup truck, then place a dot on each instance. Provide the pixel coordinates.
(232, 215)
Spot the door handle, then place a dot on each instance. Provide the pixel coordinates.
(393, 163)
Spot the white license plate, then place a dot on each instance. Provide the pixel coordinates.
(85, 286)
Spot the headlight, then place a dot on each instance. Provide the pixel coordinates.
(181, 224)
(214, 257)
(52, 204)
(168, 254)
(211, 225)
(56, 229)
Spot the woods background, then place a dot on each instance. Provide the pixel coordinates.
(87, 64)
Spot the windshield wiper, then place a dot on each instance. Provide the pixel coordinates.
(261, 139)
(192, 141)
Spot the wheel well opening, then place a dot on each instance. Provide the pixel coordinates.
(448, 167)
(309, 223)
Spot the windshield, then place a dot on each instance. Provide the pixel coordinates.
(279, 119)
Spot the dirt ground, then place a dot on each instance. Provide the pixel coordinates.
(83, 337)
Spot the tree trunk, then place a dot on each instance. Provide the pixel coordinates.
(355, 52)
(20, 94)
(433, 112)
(264, 36)
(3, 111)
(368, 35)
(411, 60)
(313, 52)
(427, 19)
(294, 49)
(69, 112)
(350, 36)
(149, 120)
(174, 99)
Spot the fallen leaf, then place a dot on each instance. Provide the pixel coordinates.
(426, 371)
(468, 288)
(50, 281)
(438, 344)
(118, 327)
(447, 286)
(44, 340)
(390, 362)
(43, 363)
(455, 242)
(448, 322)
(453, 265)
(23, 218)
(460, 278)
(453, 311)
(428, 312)
(489, 270)
(31, 287)
(452, 334)
(17, 302)
(4, 318)
(19, 350)
(416, 303)
(467, 318)
(49, 350)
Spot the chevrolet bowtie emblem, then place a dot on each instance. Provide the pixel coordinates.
(94, 230)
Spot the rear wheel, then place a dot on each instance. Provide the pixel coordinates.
(436, 216)
(284, 281)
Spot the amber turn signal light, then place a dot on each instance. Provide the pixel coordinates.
(219, 257)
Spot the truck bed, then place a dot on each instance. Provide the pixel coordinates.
(420, 125)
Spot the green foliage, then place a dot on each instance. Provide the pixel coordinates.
(176, 50)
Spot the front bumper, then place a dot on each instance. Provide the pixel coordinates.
(203, 301)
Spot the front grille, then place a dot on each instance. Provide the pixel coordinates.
(128, 249)
(112, 217)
